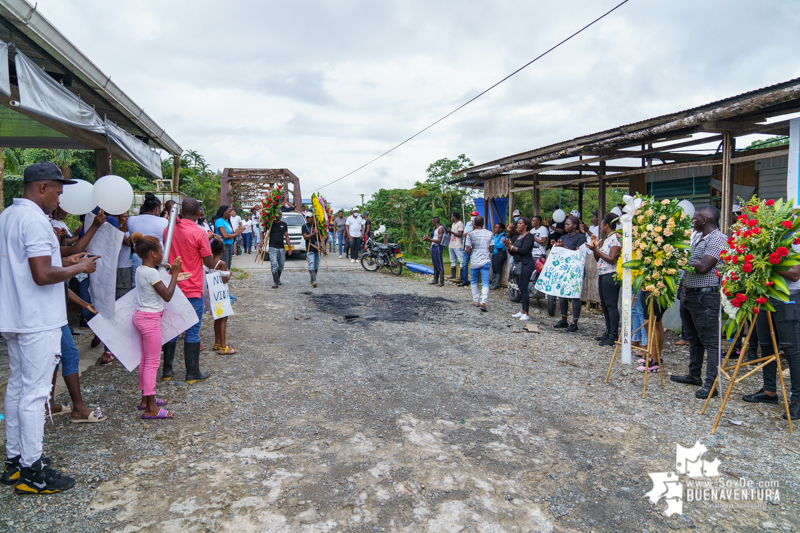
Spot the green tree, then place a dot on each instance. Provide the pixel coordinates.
(770, 142)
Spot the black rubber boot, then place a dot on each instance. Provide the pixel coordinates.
(191, 352)
(169, 355)
(313, 278)
(279, 277)
(441, 280)
(274, 280)
(453, 271)
(435, 278)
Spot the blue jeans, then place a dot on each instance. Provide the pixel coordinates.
(481, 274)
(637, 319)
(247, 239)
(465, 269)
(70, 356)
(313, 260)
(193, 333)
(83, 292)
(340, 237)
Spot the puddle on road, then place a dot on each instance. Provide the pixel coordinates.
(386, 307)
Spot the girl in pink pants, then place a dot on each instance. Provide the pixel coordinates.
(151, 293)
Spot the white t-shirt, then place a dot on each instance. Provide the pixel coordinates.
(355, 225)
(25, 232)
(235, 221)
(125, 260)
(146, 296)
(595, 230)
(59, 224)
(248, 226)
(542, 233)
(149, 225)
(455, 241)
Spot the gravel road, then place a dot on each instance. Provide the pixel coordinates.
(376, 403)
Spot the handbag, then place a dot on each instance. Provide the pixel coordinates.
(516, 270)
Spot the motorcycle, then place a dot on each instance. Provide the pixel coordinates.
(514, 293)
(378, 255)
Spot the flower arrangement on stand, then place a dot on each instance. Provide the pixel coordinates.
(269, 209)
(660, 233)
(759, 247)
(318, 204)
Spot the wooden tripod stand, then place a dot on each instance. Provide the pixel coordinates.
(734, 378)
(652, 339)
(262, 247)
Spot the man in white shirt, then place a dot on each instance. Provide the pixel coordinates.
(465, 278)
(31, 317)
(236, 221)
(354, 229)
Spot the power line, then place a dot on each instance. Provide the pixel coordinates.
(598, 19)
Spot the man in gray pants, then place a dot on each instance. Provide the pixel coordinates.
(277, 253)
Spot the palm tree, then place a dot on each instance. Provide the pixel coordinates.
(8, 160)
(63, 159)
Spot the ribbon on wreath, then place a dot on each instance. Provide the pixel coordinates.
(628, 211)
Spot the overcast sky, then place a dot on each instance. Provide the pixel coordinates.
(322, 87)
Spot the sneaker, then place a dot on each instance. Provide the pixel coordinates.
(688, 379)
(340, 256)
(608, 341)
(705, 391)
(760, 397)
(794, 411)
(524, 318)
(11, 472)
(561, 324)
(652, 367)
(572, 327)
(517, 315)
(602, 337)
(232, 297)
(41, 479)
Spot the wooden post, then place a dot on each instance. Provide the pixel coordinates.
(580, 200)
(601, 191)
(176, 173)
(102, 163)
(536, 195)
(510, 198)
(728, 146)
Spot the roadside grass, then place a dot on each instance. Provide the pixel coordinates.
(238, 273)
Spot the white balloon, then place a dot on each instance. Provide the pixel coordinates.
(113, 194)
(77, 198)
(687, 207)
(617, 211)
(559, 216)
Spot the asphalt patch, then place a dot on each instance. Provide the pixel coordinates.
(384, 307)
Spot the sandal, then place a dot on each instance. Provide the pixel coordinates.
(159, 403)
(483, 307)
(227, 350)
(94, 417)
(216, 346)
(653, 366)
(163, 414)
(475, 304)
(65, 410)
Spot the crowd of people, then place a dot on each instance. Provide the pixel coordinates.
(525, 241)
(44, 265)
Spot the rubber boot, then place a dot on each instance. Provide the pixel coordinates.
(191, 352)
(441, 279)
(311, 275)
(279, 277)
(169, 355)
(435, 278)
(453, 271)
(274, 280)
(314, 278)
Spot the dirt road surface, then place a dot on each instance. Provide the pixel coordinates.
(377, 403)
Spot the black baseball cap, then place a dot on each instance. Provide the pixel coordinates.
(45, 171)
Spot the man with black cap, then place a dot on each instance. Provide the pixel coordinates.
(31, 281)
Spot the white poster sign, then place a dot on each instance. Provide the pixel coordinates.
(562, 275)
(218, 295)
(122, 337)
(106, 243)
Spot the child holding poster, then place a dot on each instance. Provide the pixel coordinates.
(220, 324)
(151, 293)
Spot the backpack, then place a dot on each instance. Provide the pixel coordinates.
(445, 238)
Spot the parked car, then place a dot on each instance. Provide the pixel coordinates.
(295, 222)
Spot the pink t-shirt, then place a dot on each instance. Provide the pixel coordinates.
(190, 242)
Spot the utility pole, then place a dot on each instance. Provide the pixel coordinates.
(362, 200)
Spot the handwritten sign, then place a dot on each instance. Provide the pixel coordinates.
(562, 275)
(122, 337)
(219, 299)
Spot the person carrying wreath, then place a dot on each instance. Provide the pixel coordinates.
(607, 255)
(313, 247)
(571, 240)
